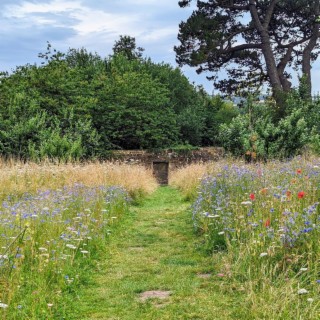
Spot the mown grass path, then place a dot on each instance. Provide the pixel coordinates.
(155, 249)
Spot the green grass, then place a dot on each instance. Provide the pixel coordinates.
(156, 249)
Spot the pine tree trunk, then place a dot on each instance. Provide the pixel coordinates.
(267, 52)
(306, 56)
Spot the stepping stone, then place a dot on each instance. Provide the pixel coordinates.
(155, 294)
(204, 275)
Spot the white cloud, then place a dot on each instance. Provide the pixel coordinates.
(90, 21)
(97, 28)
(27, 8)
(160, 33)
(83, 19)
(153, 3)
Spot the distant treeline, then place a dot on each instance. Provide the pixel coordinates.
(79, 105)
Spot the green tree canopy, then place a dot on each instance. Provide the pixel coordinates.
(127, 46)
(79, 105)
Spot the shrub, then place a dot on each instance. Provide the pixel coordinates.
(257, 133)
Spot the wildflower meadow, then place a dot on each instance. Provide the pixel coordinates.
(257, 224)
(50, 239)
(261, 224)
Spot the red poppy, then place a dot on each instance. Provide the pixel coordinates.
(299, 171)
(267, 223)
(252, 196)
(301, 194)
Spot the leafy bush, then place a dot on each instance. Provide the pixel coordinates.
(256, 132)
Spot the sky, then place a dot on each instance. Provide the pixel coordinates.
(27, 25)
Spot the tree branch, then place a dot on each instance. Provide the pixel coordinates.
(255, 16)
(269, 13)
(294, 43)
(241, 47)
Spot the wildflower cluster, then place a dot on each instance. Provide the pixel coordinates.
(266, 214)
(251, 202)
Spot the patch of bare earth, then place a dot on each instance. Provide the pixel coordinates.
(204, 275)
(154, 294)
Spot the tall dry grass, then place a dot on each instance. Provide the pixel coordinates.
(18, 177)
(188, 178)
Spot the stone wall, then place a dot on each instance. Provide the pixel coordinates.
(176, 158)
